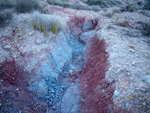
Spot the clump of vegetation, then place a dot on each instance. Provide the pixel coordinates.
(23, 6)
(40, 23)
(6, 4)
(96, 2)
(55, 2)
(147, 5)
(129, 8)
(54, 27)
(146, 28)
(5, 16)
(124, 23)
(44, 23)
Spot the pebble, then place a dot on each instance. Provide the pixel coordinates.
(127, 104)
(52, 91)
(19, 35)
(144, 104)
(17, 89)
(7, 46)
(47, 42)
(133, 63)
(54, 107)
(130, 97)
(38, 41)
(116, 93)
(128, 74)
(30, 33)
(71, 72)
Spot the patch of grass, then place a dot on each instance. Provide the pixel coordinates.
(23, 6)
(44, 23)
(40, 23)
(5, 16)
(54, 27)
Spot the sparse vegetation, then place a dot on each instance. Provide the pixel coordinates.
(96, 2)
(44, 23)
(124, 23)
(147, 5)
(146, 28)
(54, 27)
(23, 6)
(5, 16)
(6, 4)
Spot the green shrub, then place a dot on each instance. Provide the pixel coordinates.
(23, 6)
(5, 16)
(44, 23)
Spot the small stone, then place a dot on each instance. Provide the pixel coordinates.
(144, 104)
(47, 97)
(52, 91)
(147, 72)
(38, 41)
(127, 104)
(47, 42)
(131, 50)
(128, 74)
(30, 33)
(17, 89)
(19, 35)
(7, 46)
(71, 72)
(130, 97)
(116, 93)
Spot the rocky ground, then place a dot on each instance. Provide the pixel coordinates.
(98, 62)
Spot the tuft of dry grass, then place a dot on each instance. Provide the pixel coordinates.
(54, 27)
(45, 23)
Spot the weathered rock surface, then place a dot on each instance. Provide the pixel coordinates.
(71, 100)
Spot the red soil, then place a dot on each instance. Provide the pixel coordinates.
(96, 91)
(78, 25)
(14, 93)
